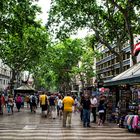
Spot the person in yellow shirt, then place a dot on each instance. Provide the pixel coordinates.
(68, 102)
(44, 103)
(27, 100)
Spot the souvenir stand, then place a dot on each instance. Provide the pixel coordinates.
(128, 84)
(132, 120)
(111, 107)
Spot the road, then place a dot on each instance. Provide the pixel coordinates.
(28, 126)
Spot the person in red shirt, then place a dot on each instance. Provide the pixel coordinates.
(2, 103)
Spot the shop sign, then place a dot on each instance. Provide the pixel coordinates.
(136, 49)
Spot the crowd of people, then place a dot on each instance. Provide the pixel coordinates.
(58, 106)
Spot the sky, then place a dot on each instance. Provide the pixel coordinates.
(45, 6)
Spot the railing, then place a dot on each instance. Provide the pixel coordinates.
(108, 58)
(114, 66)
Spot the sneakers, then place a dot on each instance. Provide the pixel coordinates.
(86, 126)
(64, 125)
(69, 125)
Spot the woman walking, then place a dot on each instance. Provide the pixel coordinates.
(60, 106)
(101, 110)
(10, 104)
(18, 102)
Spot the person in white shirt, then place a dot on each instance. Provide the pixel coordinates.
(94, 102)
(60, 106)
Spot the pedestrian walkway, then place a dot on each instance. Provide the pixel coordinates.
(29, 126)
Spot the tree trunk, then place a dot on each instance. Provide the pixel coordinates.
(82, 81)
(12, 81)
(130, 33)
(127, 19)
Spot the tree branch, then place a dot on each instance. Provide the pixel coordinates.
(117, 5)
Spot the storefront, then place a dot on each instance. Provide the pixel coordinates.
(127, 88)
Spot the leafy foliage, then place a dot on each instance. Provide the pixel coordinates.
(23, 40)
(61, 65)
(106, 20)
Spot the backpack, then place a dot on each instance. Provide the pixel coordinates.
(18, 100)
(33, 99)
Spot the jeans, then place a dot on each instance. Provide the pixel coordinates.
(53, 111)
(81, 115)
(8, 108)
(86, 117)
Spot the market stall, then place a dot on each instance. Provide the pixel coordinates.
(25, 89)
(128, 84)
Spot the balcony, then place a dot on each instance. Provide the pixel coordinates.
(126, 62)
(112, 56)
(114, 66)
(108, 58)
(106, 69)
(126, 49)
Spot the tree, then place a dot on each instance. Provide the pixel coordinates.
(23, 40)
(56, 66)
(107, 23)
(130, 11)
(85, 70)
(60, 66)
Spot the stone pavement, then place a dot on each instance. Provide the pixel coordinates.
(29, 126)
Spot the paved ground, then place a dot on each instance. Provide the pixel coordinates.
(27, 126)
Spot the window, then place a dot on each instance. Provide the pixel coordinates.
(117, 71)
(128, 55)
(101, 66)
(124, 68)
(109, 63)
(123, 56)
(128, 66)
(117, 60)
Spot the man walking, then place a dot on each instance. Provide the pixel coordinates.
(44, 103)
(86, 110)
(33, 103)
(68, 102)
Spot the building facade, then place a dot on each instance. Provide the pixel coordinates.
(107, 66)
(5, 75)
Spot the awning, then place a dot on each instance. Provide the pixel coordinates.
(25, 88)
(130, 76)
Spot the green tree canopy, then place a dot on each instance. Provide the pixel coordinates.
(60, 66)
(23, 40)
(105, 20)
